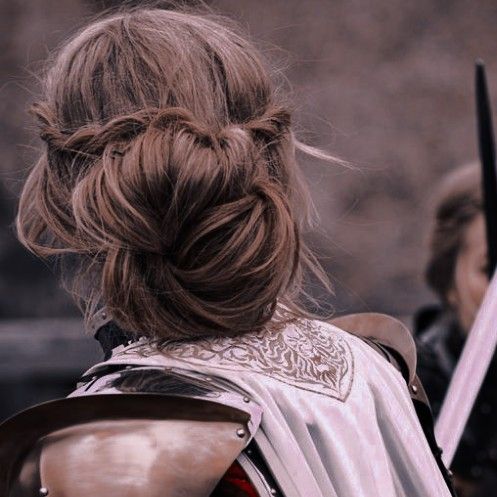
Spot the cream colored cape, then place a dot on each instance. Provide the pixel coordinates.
(337, 418)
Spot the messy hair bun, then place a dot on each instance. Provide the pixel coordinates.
(171, 169)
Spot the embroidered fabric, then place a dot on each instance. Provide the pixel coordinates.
(337, 418)
(305, 356)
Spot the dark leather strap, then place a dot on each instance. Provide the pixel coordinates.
(110, 336)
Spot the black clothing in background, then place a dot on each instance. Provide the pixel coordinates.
(440, 342)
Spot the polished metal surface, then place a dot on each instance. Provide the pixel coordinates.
(386, 329)
(195, 431)
(126, 458)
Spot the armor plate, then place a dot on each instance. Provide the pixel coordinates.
(136, 431)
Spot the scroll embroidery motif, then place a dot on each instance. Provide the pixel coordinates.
(305, 355)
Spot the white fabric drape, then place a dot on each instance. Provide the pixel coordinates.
(336, 414)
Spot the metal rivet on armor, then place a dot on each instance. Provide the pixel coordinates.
(246, 399)
(128, 367)
(43, 491)
(450, 473)
(94, 377)
(240, 432)
(104, 316)
(414, 388)
(274, 491)
(208, 378)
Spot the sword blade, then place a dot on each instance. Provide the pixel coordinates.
(482, 340)
(468, 376)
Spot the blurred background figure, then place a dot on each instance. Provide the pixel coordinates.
(457, 273)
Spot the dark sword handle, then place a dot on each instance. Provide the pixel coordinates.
(486, 142)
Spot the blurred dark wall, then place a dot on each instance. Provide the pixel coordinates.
(385, 84)
(41, 359)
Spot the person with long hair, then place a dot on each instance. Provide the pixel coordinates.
(169, 179)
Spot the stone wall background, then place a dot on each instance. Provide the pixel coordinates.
(384, 84)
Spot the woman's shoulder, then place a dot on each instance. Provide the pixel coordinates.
(306, 353)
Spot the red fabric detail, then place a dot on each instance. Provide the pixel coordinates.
(237, 477)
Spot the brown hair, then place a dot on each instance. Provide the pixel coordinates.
(170, 169)
(459, 201)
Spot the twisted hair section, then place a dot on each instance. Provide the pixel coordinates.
(92, 139)
(189, 215)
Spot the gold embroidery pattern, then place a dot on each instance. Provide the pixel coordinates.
(305, 355)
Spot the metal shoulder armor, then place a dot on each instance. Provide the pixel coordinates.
(387, 335)
(130, 431)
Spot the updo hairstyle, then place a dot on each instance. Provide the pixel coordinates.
(169, 168)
